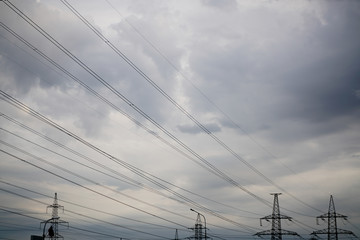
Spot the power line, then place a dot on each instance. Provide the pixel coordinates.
(177, 105)
(89, 208)
(162, 186)
(37, 115)
(209, 166)
(114, 177)
(71, 227)
(74, 204)
(87, 188)
(87, 216)
(111, 105)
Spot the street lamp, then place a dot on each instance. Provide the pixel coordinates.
(44, 235)
(204, 220)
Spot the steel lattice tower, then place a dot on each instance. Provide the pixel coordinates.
(199, 229)
(275, 232)
(53, 231)
(332, 231)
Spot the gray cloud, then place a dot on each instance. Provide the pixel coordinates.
(286, 74)
(195, 129)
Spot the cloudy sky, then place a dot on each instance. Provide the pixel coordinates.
(135, 111)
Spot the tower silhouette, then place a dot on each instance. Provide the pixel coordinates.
(53, 231)
(199, 227)
(332, 231)
(275, 232)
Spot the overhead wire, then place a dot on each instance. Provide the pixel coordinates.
(111, 105)
(227, 116)
(132, 182)
(68, 133)
(85, 215)
(71, 227)
(31, 46)
(93, 182)
(84, 207)
(30, 111)
(208, 165)
(188, 200)
(80, 214)
(85, 187)
(177, 105)
(99, 211)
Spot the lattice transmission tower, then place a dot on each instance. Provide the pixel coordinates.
(332, 231)
(276, 232)
(53, 231)
(199, 227)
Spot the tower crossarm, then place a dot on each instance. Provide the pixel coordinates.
(286, 232)
(271, 232)
(327, 215)
(323, 231)
(342, 231)
(338, 231)
(330, 216)
(275, 216)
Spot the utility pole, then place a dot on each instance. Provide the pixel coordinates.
(53, 230)
(275, 232)
(332, 231)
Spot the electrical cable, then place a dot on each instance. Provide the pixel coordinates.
(127, 101)
(198, 89)
(111, 105)
(87, 188)
(194, 203)
(71, 227)
(96, 183)
(177, 105)
(83, 215)
(132, 182)
(78, 205)
(42, 118)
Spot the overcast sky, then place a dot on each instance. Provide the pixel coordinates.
(210, 105)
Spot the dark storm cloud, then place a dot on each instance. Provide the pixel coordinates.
(310, 74)
(326, 88)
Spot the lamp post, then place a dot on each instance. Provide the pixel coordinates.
(204, 220)
(44, 235)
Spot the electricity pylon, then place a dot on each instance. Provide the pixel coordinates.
(276, 232)
(332, 231)
(199, 227)
(53, 230)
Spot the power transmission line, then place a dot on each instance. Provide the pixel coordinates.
(85, 187)
(113, 158)
(209, 166)
(71, 227)
(77, 205)
(177, 105)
